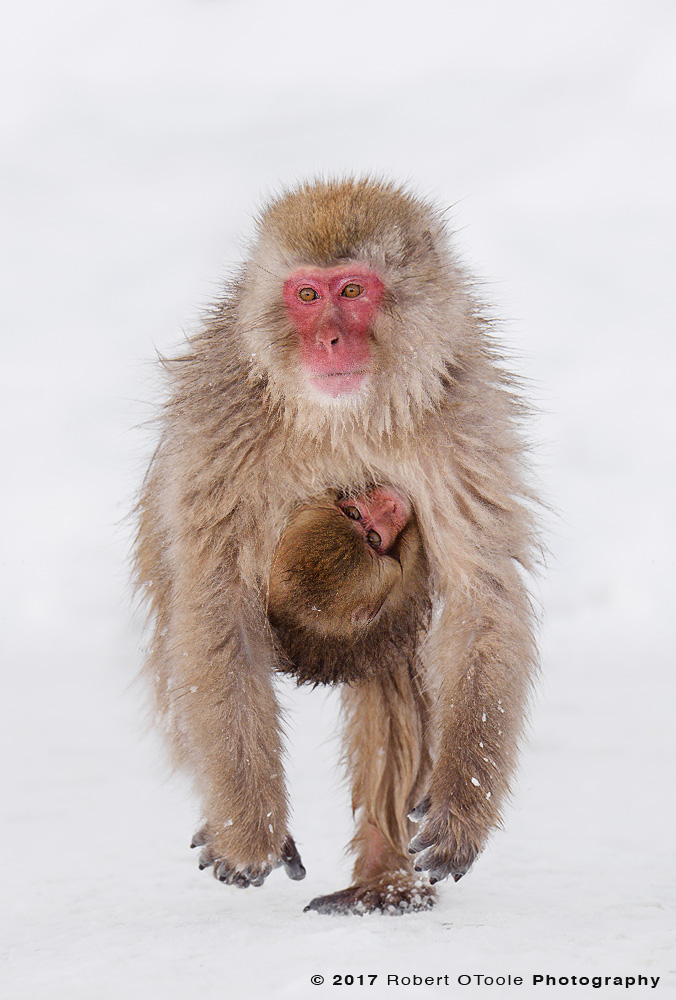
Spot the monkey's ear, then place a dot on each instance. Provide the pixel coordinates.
(420, 247)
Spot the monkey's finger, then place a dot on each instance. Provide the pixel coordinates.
(253, 875)
(439, 867)
(460, 864)
(200, 838)
(431, 860)
(439, 872)
(290, 858)
(420, 842)
(256, 878)
(206, 859)
(225, 871)
(440, 875)
(420, 810)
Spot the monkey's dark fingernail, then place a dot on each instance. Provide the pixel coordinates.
(457, 876)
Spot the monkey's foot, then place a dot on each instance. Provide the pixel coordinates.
(243, 876)
(394, 895)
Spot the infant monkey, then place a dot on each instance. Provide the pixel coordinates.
(347, 571)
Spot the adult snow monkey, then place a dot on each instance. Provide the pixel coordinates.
(339, 493)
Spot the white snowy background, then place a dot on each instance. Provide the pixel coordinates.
(137, 138)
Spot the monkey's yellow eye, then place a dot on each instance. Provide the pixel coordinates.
(353, 513)
(374, 539)
(351, 291)
(307, 295)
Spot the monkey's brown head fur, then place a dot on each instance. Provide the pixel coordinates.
(321, 223)
(423, 325)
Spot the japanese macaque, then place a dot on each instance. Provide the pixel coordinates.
(339, 493)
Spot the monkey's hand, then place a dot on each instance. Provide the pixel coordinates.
(252, 874)
(445, 844)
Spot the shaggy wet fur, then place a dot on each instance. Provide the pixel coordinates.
(244, 444)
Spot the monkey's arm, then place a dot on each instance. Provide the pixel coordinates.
(224, 720)
(483, 654)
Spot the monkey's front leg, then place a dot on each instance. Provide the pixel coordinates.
(227, 720)
(481, 711)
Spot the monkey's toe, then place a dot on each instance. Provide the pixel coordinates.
(388, 898)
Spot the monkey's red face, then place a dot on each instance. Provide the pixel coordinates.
(332, 310)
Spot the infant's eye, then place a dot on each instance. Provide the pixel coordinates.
(352, 290)
(374, 539)
(353, 513)
(307, 294)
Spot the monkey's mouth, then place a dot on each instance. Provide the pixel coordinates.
(339, 383)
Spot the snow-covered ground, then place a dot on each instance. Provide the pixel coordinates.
(137, 138)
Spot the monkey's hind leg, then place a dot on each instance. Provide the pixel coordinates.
(387, 755)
